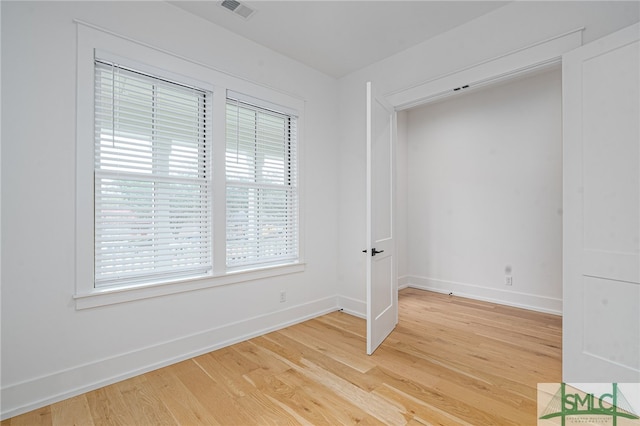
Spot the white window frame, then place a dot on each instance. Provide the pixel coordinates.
(94, 41)
(137, 161)
(291, 188)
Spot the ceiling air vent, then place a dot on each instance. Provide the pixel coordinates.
(237, 8)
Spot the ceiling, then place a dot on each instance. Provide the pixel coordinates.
(339, 37)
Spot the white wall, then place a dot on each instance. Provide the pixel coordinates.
(512, 27)
(50, 350)
(484, 193)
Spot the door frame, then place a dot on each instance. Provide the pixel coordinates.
(535, 57)
(513, 64)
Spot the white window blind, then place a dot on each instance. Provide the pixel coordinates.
(152, 178)
(262, 195)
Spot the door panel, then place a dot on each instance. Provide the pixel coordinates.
(601, 101)
(382, 167)
(382, 293)
(610, 150)
(611, 304)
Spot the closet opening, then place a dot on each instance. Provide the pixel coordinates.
(479, 187)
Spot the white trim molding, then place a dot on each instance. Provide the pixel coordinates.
(403, 282)
(532, 302)
(527, 59)
(351, 306)
(28, 395)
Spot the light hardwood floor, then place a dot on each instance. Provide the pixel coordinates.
(450, 361)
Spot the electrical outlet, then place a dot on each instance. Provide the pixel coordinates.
(283, 296)
(508, 280)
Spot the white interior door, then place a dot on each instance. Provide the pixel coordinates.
(601, 102)
(382, 292)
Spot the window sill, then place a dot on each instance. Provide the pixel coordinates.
(112, 296)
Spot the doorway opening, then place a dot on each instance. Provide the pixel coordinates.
(479, 179)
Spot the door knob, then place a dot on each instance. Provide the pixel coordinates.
(374, 251)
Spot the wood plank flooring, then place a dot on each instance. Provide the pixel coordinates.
(450, 361)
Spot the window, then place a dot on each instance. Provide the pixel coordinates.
(262, 201)
(171, 156)
(152, 178)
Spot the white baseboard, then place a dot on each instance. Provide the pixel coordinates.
(35, 393)
(403, 282)
(355, 307)
(528, 301)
